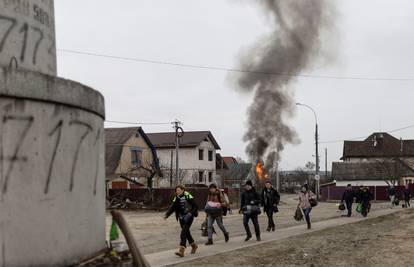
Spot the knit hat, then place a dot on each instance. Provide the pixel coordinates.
(249, 182)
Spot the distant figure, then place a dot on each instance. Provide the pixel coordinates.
(391, 195)
(407, 196)
(216, 202)
(305, 195)
(365, 198)
(185, 210)
(249, 206)
(270, 200)
(348, 198)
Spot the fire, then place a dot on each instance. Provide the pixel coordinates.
(259, 171)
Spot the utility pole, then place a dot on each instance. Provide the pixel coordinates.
(179, 132)
(171, 169)
(317, 176)
(326, 163)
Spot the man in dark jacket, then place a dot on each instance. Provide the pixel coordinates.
(392, 195)
(249, 205)
(270, 200)
(407, 196)
(185, 209)
(348, 198)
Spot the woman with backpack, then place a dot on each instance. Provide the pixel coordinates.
(214, 210)
(185, 209)
(306, 202)
(249, 206)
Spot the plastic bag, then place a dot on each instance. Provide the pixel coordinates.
(359, 208)
(298, 214)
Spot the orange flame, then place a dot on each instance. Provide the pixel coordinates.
(259, 170)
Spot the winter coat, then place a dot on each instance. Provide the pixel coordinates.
(304, 199)
(348, 196)
(182, 205)
(365, 197)
(407, 193)
(218, 197)
(270, 198)
(250, 197)
(391, 191)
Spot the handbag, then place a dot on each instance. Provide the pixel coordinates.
(359, 208)
(298, 215)
(313, 202)
(396, 201)
(213, 209)
(251, 210)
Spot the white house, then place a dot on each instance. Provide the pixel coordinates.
(197, 157)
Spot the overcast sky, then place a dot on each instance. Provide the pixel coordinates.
(373, 38)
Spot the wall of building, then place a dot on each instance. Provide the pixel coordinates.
(189, 163)
(362, 182)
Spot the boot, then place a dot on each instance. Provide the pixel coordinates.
(209, 242)
(273, 228)
(268, 229)
(194, 248)
(248, 238)
(180, 252)
(226, 237)
(309, 226)
(258, 239)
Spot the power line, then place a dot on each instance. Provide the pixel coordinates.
(364, 137)
(218, 68)
(139, 123)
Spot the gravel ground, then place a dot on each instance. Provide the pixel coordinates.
(382, 241)
(155, 234)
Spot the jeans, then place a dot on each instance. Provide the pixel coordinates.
(210, 222)
(349, 207)
(270, 221)
(307, 212)
(255, 221)
(186, 233)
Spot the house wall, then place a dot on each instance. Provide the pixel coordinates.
(189, 163)
(125, 164)
(408, 160)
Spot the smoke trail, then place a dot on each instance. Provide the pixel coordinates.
(292, 45)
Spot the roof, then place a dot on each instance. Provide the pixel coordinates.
(355, 171)
(229, 160)
(189, 139)
(115, 138)
(379, 145)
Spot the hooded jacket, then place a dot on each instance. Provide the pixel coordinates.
(182, 205)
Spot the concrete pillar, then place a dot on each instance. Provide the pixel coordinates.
(52, 185)
(27, 35)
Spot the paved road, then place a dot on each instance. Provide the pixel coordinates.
(167, 258)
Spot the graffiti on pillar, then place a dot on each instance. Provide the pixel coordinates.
(27, 33)
(66, 139)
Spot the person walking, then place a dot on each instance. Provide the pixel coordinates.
(348, 199)
(305, 198)
(391, 195)
(270, 200)
(185, 209)
(249, 206)
(407, 196)
(365, 198)
(214, 210)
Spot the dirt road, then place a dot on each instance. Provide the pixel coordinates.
(383, 241)
(154, 234)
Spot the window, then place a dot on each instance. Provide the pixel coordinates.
(201, 154)
(210, 177)
(136, 156)
(200, 176)
(210, 155)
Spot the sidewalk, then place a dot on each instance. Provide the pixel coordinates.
(166, 258)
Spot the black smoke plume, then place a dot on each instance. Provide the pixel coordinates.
(293, 44)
